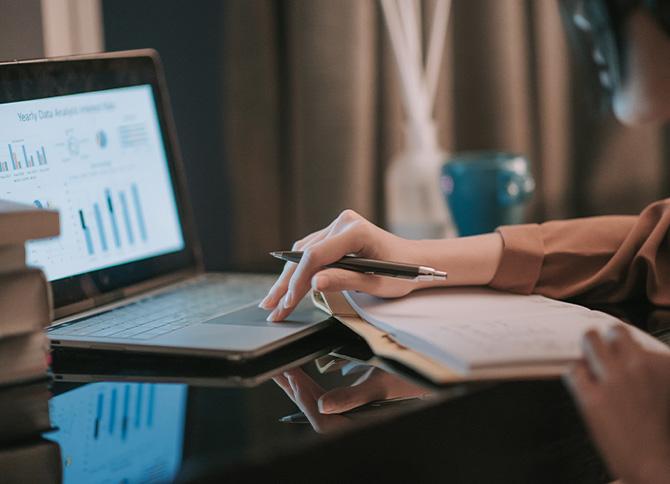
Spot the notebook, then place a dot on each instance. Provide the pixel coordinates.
(459, 334)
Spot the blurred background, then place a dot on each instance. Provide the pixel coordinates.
(288, 111)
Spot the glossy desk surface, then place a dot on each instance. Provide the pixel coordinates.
(130, 418)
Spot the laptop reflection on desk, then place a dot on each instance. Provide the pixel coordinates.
(120, 432)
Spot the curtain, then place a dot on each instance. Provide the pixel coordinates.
(312, 116)
(14, 43)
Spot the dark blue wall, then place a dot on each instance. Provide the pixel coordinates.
(187, 34)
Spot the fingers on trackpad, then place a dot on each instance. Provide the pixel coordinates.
(255, 316)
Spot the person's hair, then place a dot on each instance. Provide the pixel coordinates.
(596, 31)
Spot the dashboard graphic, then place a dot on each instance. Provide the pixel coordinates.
(99, 159)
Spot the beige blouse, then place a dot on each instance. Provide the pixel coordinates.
(596, 259)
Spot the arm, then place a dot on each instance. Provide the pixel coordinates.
(600, 259)
(469, 261)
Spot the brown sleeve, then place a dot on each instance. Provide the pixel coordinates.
(598, 259)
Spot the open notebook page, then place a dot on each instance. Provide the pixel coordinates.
(477, 328)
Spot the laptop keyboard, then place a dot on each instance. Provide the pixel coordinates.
(163, 313)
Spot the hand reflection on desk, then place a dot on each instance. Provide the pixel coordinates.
(323, 408)
(658, 323)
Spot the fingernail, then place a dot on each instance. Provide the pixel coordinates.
(287, 301)
(273, 315)
(324, 407)
(291, 382)
(264, 303)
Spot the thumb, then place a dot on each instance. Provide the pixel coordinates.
(343, 280)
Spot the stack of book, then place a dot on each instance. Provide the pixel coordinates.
(25, 310)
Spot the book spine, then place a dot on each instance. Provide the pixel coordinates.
(35, 461)
(27, 423)
(12, 258)
(19, 223)
(25, 302)
(23, 357)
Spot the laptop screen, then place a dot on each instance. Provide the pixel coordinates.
(93, 137)
(99, 159)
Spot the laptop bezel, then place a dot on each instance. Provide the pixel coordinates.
(43, 78)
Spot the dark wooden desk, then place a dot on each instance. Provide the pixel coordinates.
(223, 425)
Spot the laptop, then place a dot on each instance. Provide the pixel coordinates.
(93, 137)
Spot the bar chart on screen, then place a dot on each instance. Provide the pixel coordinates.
(114, 220)
(109, 432)
(19, 157)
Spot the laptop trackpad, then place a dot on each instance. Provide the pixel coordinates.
(255, 316)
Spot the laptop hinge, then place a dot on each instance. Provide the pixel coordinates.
(109, 297)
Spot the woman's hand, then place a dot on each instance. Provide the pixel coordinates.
(305, 393)
(468, 260)
(323, 408)
(374, 385)
(347, 234)
(623, 392)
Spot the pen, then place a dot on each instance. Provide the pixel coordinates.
(295, 418)
(374, 267)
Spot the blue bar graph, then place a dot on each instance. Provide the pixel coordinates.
(112, 412)
(147, 454)
(25, 155)
(87, 233)
(134, 414)
(126, 218)
(101, 228)
(126, 404)
(138, 210)
(12, 157)
(138, 407)
(112, 217)
(98, 416)
(112, 214)
(28, 160)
